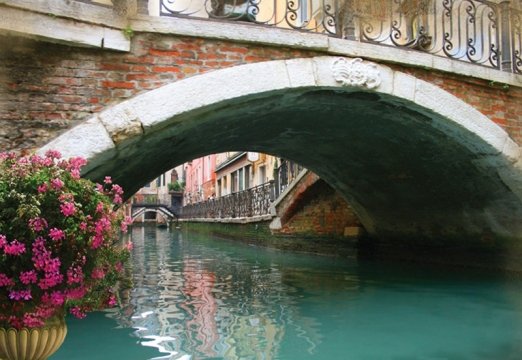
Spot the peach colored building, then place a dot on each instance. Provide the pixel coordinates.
(200, 179)
(241, 170)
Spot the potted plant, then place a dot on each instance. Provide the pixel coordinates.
(177, 186)
(59, 250)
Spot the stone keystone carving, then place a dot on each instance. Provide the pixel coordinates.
(355, 72)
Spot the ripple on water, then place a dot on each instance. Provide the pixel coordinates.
(197, 297)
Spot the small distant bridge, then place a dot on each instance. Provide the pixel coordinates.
(167, 212)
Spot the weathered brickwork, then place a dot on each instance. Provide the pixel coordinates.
(317, 209)
(501, 103)
(46, 89)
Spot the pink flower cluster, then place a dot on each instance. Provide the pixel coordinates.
(20, 295)
(28, 277)
(6, 281)
(15, 248)
(56, 234)
(65, 256)
(75, 275)
(37, 224)
(67, 209)
(44, 262)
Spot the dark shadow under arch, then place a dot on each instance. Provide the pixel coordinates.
(402, 174)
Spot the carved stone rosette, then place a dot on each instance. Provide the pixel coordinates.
(355, 72)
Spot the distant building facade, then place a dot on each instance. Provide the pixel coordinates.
(238, 171)
(215, 176)
(158, 191)
(200, 179)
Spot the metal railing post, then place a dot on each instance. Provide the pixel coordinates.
(506, 60)
(345, 20)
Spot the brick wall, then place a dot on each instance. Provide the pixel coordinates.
(502, 104)
(46, 89)
(315, 208)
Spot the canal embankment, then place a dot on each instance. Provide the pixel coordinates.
(311, 217)
(259, 234)
(307, 216)
(448, 255)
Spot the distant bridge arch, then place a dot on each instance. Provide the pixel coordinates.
(413, 160)
(156, 211)
(163, 210)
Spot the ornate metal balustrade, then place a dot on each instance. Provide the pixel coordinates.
(311, 15)
(467, 30)
(286, 173)
(516, 40)
(475, 31)
(247, 203)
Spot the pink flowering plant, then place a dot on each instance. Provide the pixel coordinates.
(59, 240)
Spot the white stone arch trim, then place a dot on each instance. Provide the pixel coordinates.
(145, 112)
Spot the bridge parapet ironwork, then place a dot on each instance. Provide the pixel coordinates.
(516, 40)
(255, 201)
(252, 202)
(475, 31)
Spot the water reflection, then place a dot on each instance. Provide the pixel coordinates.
(200, 307)
(188, 295)
(198, 298)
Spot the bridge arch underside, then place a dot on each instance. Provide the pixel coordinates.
(410, 175)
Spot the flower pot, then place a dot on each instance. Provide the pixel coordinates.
(32, 344)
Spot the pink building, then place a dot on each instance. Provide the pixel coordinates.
(200, 179)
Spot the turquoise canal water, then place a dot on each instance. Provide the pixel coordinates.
(197, 297)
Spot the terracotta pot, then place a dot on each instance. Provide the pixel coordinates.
(32, 344)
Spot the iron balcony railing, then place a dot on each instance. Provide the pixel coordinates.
(476, 31)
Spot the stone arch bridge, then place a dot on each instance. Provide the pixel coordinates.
(425, 148)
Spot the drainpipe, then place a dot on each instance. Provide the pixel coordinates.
(506, 60)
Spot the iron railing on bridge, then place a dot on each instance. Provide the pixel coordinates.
(476, 31)
(255, 201)
(285, 174)
(247, 203)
